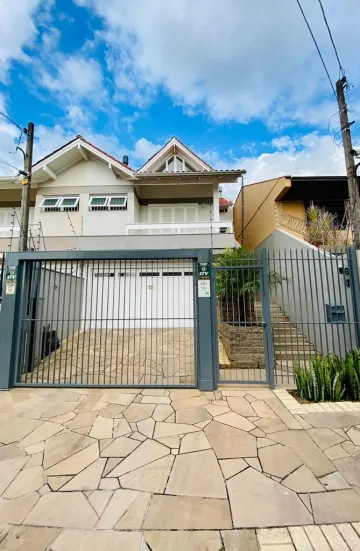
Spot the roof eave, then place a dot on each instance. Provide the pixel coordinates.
(230, 176)
(80, 143)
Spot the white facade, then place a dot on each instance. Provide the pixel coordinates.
(82, 193)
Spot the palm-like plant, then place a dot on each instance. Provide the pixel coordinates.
(237, 289)
(322, 227)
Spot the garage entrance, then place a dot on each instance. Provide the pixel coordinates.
(112, 322)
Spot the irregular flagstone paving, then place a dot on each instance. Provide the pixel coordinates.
(157, 469)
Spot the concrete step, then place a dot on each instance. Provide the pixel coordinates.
(300, 345)
(294, 354)
(288, 329)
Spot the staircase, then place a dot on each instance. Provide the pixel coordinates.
(289, 343)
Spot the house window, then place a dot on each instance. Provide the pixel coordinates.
(59, 204)
(117, 203)
(149, 274)
(105, 274)
(108, 202)
(171, 274)
(175, 164)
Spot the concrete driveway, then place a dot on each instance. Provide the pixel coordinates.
(90, 469)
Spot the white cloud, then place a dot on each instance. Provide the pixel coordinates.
(47, 139)
(76, 115)
(144, 149)
(75, 75)
(235, 59)
(17, 29)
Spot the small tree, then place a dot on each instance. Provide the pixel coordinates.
(237, 290)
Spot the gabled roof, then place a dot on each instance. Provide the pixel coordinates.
(71, 152)
(80, 139)
(174, 145)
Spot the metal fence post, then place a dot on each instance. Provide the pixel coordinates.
(205, 331)
(9, 325)
(265, 298)
(355, 289)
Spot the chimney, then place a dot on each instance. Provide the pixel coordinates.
(125, 160)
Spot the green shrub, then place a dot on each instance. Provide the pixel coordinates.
(329, 378)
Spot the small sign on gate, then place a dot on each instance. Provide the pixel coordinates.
(204, 290)
(11, 276)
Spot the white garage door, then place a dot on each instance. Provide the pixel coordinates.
(144, 294)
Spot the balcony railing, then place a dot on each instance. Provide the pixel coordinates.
(339, 235)
(183, 228)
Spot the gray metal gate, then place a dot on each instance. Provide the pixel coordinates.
(108, 322)
(282, 309)
(245, 346)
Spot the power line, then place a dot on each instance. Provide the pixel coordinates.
(342, 72)
(17, 126)
(317, 47)
(11, 120)
(8, 164)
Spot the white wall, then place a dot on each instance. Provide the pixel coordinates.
(93, 177)
(227, 216)
(84, 179)
(314, 280)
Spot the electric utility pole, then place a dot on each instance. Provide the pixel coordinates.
(354, 195)
(26, 188)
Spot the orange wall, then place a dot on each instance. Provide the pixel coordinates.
(260, 210)
(296, 208)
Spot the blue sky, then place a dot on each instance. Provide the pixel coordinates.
(238, 81)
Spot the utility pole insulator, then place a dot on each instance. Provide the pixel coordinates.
(354, 195)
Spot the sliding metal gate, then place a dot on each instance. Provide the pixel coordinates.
(121, 322)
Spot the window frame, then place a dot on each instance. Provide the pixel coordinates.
(110, 197)
(107, 205)
(98, 207)
(59, 207)
(68, 207)
(50, 207)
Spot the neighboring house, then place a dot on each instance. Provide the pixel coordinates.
(281, 204)
(83, 198)
(312, 307)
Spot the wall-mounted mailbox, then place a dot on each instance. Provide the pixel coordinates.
(335, 313)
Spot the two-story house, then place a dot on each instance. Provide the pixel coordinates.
(83, 198)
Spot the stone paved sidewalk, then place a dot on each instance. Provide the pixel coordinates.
(132, 469)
